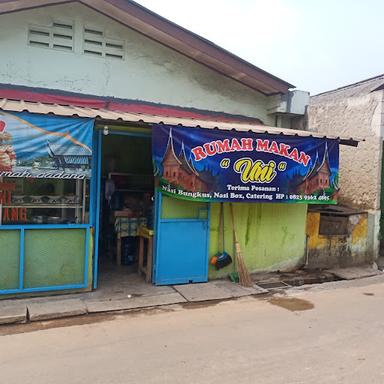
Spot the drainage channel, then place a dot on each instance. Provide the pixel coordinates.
(273, 285)
(288, 280)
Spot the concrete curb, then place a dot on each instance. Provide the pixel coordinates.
(134, 303)
(56, 309)
(12, 313)
(22, 311)
(32, 310)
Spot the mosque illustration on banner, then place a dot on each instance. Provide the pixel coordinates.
(181, 172)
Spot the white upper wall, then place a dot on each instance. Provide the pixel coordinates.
(149, 70)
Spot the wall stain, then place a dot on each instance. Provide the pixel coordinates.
(326, 251)
(284, 230)
(249, 225)
(360, 230)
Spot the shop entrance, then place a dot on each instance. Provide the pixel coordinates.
(126, 207)
(133, 247)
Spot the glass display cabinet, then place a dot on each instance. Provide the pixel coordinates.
(44, 201)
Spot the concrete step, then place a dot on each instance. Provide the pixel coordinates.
(98, 306)
(47, 310)
(12, 312)
(353, 273)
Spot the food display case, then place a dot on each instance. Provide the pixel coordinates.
(45, 201)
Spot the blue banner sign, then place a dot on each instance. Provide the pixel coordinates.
(219, 165)
(41, 146)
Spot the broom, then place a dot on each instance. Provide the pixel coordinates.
(244, 276)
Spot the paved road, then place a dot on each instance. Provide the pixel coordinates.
(334, 334)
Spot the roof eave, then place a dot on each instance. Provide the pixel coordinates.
(8, 6)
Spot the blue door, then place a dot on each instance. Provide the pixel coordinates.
(182, 242)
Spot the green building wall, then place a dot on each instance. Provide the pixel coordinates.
(271, 236)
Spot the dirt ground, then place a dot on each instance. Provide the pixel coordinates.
(327, 334)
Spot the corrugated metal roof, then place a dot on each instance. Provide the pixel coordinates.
(111, 103)
(115, 116)
(361, 88)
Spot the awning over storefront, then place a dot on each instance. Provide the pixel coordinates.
(109, 116)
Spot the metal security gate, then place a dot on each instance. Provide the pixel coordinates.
(182, 240)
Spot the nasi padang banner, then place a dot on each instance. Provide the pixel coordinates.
(219, 165)
(42, 146)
